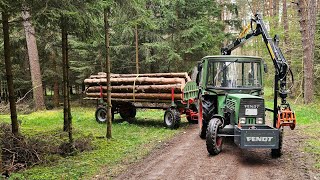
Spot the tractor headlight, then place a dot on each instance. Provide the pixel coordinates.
(259, 121)
(242, 120)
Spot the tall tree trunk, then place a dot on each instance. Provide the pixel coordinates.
(309, 77)
(275, 13)
(108, 72)
(67, 126)
(33, 60)
(286, 28)
(307, 13)
(55, 81)
(8, 65)
(137, 49)
(270, 9)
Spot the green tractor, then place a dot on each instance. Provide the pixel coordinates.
(228, 92)
(230, 103)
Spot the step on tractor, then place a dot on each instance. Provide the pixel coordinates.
(228, 92)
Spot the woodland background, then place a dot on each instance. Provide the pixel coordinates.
(144, 36)
(147, 36)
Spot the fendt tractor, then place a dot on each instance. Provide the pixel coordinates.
(229, 94)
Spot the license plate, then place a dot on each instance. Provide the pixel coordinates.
(251, 112)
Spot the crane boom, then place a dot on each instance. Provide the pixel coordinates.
(281, 66)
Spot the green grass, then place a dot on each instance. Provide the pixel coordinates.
(130, 142)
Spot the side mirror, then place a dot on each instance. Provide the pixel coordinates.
(265, 68)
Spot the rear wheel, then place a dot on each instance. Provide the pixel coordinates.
(207, 105)
(172, 118)
(276, 153)
(213, 141)
(101, 114)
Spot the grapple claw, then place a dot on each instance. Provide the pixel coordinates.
(286, 117)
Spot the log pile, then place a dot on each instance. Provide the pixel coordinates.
(138, 87)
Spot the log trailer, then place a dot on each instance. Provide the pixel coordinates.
(229, 96)
(147, 91)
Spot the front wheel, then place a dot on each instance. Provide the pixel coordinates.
(213, 141)
(172, 118)
(276, 153)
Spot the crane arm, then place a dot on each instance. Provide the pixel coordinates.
(281, 65)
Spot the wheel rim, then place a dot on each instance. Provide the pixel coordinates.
(169, 119)
(102, 115)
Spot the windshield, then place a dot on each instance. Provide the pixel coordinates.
(234, 74)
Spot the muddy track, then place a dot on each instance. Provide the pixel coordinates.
(186, 157)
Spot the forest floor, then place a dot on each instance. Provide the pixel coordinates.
(186, 157)
(147, 150)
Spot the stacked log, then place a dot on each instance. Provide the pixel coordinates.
(138, 87)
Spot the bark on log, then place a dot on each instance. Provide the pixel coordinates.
(137, 96)
(141, 80)
(139, 88)
(169, 75)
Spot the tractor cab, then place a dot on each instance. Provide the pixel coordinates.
(231, 74)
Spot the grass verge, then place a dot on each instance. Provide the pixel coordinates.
(130, 142)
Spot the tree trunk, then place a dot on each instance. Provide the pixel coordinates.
(309, 77)
(137, 49)
(307, 21)
(55, 81)
(8, 66)
(66, 96)
(286, 28)
(270, 9)
(33, 60)
(275, 13)
(108, 72)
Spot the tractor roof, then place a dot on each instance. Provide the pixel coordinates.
(225, 57)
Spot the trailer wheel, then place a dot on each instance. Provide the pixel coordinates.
(128, 112)
(172, 118)
(213, 141)
(101, 114)
(276, 153)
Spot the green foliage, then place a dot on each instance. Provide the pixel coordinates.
(130, 142)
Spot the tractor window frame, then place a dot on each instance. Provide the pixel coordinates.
(255, 69)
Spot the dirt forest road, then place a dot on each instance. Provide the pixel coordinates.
(186, 157)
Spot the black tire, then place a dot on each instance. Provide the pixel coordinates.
(172, 118)
(208, 110)
(276, 153)
(213, 141)
(203, 130)
(128, 112)
(101, 114)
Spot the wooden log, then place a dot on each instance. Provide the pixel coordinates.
(155, 96)
(139, 80)
(166, 75)
(139, 88)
